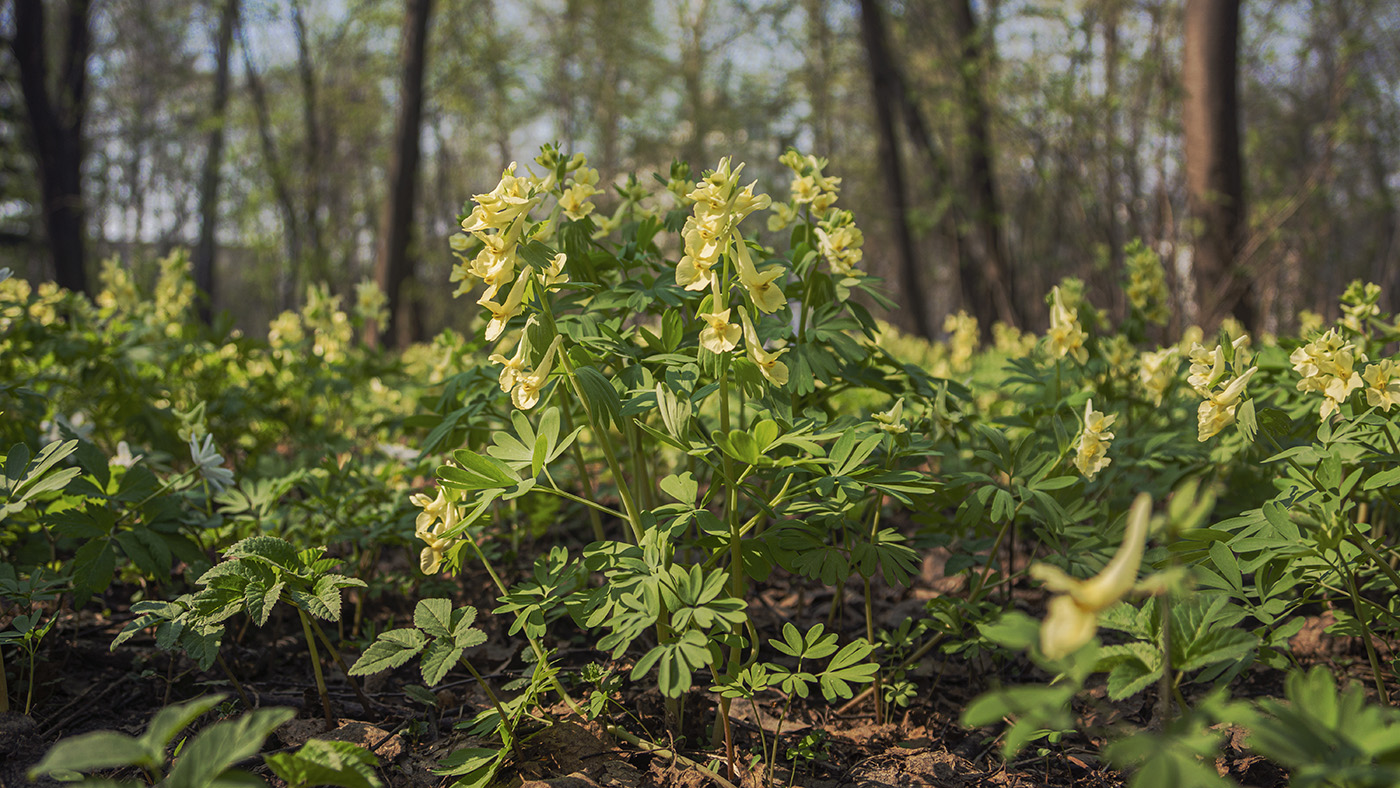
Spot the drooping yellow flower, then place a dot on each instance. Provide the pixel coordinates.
(1382, 384)
(782, 215)
(1328, 364)
(439, 516)
(512, 368)
(1091, 452)
(1217, 410)
(527, 386)
(892, 420)
(554, 273)
(719, 335)
(1065, 337)
(502, 313)
(500, 208)
(774, 370)
(575, 200)
(1072, 615)
(766, 294)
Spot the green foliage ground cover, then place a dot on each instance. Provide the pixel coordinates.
(692, 400)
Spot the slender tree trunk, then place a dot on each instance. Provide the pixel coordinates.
(818, 74)
(885, 85)
(281, 186)
(394, 265)
(1214, 177)
(314, 199)
(56, 126)
(204, 253)
(988, 290)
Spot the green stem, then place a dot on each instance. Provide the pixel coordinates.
(243, 696)
(316, 664)
(506, 725)
(586, 482)
(1355, 594)
(534, 642)
(593, 506)
(340, 663)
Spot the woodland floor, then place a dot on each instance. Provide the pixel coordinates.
(82, 686)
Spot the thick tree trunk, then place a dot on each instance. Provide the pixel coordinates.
(1214, 178)
(394, 266)
(315, 195)
(56, 125)
(209, 181)
(988, 289)
(885, 85)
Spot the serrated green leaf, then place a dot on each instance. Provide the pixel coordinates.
(438, 658)
(390, 650)
(434, 616)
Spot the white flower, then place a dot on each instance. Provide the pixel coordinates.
(398, 451)
(210, 463)
(123, 457)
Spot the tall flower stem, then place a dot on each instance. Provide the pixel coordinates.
(316, 665)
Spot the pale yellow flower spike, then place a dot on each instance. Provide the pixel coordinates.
(1072, 615)
(774, 370)
(1092, 450)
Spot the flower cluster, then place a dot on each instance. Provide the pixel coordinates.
(1156, 371)
(497, 221)
(1091, 452)
(1147, 283)
(1219, 397)
(719, 207)
(809, 187)
(434, 524)
(1328, 365)
(963, 339)
(1360, 303)
(1065, 337)
(1382, 384)
(840, 242)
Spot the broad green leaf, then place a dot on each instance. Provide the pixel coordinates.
(434, 616)
(222, 745)
(321, 762)
(438, 658)
(390, 650)
(97, 750)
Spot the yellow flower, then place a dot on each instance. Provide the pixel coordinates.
(554, 274)
(781, 216)
(1072, 615)
(805, 190)
(575, 201)
(1065, 336)
(841, 247)
(766, 294)
(892, 420)
(498, 210)
(1217, 410)
(438, 517)
(1156, 372)
(719, 335)
(527, 385)
(962, 341)
(502, 313)
(512, 368)
(1382, 384)
(1327, 364)
(774, 370)
(1091, 453)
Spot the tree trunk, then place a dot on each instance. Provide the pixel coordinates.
(988, 291)
(209, 180)
(393, 265)
(1214, 180)
(319, 263)
(885, 85)
(56, 125)
(281, 185)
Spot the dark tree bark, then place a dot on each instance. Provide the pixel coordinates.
(987, 289)
(1214, 178)
(56, 126)
(314, 197)
(393, 265)
(213, 158)
(888, 98)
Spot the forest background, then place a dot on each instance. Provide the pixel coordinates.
(989, 148)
